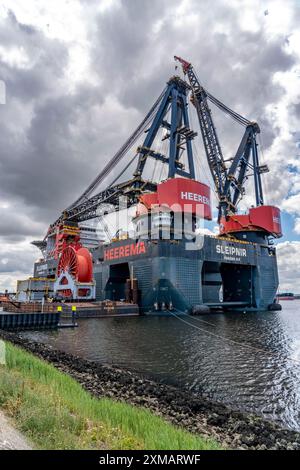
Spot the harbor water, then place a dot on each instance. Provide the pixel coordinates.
(249, 361)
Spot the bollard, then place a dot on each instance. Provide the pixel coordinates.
(74, 314)
(59, 310)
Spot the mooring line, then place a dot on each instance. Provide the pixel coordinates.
(195, 318)
(253, 348)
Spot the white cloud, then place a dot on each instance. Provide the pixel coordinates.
(288, 256)
(297, 225)
(16, 262)
(292, 204)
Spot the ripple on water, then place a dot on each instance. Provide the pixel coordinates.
(191, 356)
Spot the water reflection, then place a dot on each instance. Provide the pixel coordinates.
(192, 354)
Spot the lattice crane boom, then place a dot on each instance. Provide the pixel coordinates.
(229, 180)
(210, 138)
(168, 112)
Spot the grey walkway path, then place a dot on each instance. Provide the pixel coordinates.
(10, 438)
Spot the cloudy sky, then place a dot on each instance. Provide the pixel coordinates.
(80, 75)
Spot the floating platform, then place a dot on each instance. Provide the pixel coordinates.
(15, 321)
(101, 309)
(106, 308)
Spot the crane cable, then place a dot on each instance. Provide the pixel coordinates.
(233, 114)
(236, 116)
(120, 154)
(201, 164)
(137, 133)
(264, 181)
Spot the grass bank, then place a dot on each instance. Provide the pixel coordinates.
(55, 412)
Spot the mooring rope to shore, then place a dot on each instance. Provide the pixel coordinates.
(247, 346)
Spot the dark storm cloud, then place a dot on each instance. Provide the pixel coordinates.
(45, 143)
(10, 35)
(54, 141)
(125, 51)
(45, 62)
(238, 67)
(46, 173)
(296, 109)
(16, 225)
(129, 53)
(13, 262)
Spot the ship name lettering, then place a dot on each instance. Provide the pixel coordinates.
(131, 249)
(194, 197)
(231, 250)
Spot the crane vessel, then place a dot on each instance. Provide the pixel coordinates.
(167, 263)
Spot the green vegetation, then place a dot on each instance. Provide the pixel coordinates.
(55, 412)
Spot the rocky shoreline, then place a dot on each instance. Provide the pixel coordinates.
(234, 430)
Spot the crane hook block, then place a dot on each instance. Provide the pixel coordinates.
(185, 64)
